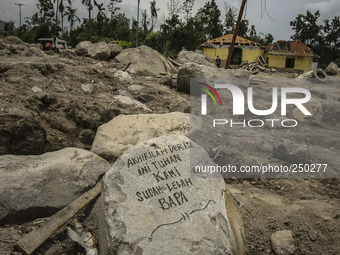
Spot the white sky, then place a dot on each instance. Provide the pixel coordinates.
(283, 11)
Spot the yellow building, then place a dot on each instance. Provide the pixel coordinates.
(245, 50)
(290, 55)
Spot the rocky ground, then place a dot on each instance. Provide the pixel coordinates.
(50, 102)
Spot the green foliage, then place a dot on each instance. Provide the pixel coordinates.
(97, 38)
(175, 33)
(323, 39)
(209, 19)
(230, 20)
(306, 28)
(153, 40)
(244, 28)
(259, 38)
(125, 44)
(187, 8)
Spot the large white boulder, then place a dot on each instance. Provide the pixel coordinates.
(115, 49)
(145, 61)
(99, 51)
(82, 48)
(192, 70)
(193, 57)
(125, 131)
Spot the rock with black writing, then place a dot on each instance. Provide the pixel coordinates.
(152, 204)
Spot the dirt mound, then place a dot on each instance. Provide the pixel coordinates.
(14, 46)
(52, 90)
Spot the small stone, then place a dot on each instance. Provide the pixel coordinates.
(87, 88)
(36, 89)
(327, 219)
(283, 242)
(123, 77)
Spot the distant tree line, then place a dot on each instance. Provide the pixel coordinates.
(323, 39)
(181, 28)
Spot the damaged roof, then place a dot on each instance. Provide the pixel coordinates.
(296, 47)
(226, 39)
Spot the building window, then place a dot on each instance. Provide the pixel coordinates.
(290, 62)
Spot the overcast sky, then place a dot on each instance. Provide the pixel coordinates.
(283, 11)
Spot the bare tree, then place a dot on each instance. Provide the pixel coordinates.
(174, 8)
(187, 8)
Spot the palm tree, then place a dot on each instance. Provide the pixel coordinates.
(89, 6)
(71, 16)
(113, 8)
(56, 14)
(62, 14)
(137, 23)
(101, 14)
(60, 8)
(153, 10)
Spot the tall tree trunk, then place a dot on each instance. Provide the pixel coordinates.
(56, 17)
(90, 21)
(137, 23)
(62, 22)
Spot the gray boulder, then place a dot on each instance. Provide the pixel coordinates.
(99, 50)
(283, 242)
(193, 57)
(115, 49)
(145, 61)
(67, 54)
(123, 77)
(152, 204)
(291, 152)
(166, 80)
(180, 104)
(332, 69)
(38, 186)
(82, 48)
(192, 70)
(125, 131)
